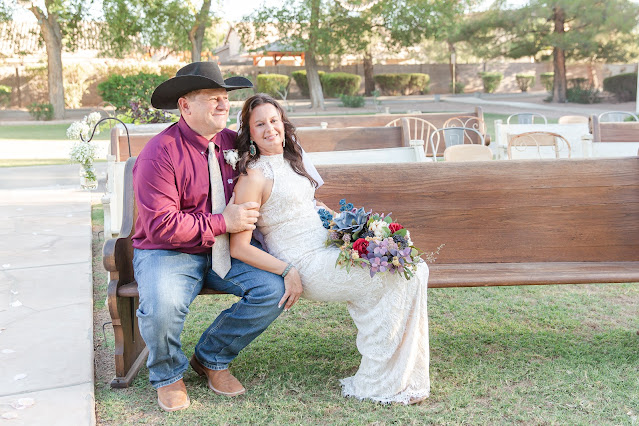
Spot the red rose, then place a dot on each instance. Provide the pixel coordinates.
(361, 245)
(394, 227)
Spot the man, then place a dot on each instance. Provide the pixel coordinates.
(176, 230)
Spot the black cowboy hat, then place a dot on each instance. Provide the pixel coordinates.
(194, 76)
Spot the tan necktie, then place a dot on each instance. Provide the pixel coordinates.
(221, 258)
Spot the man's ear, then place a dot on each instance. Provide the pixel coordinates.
(183, 105)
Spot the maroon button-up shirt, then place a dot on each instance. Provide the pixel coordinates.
(172, 190)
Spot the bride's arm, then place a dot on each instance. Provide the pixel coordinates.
(252, 187)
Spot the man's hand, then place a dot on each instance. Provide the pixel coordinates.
(240, 217)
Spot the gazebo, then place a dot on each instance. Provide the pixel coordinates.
(278, 51)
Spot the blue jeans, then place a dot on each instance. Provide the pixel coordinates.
(169, 280)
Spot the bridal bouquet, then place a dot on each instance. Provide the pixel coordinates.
(370, 240)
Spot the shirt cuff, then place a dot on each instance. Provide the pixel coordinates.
(219, 224)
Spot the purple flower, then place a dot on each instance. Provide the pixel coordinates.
(378, 264)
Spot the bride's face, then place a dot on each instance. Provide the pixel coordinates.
(267, 129)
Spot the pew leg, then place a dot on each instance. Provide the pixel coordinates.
(130, 349)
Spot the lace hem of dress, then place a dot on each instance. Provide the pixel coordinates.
(265, 167)
(401, 398)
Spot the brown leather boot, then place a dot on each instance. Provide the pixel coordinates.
(173, 397)
(222, 382)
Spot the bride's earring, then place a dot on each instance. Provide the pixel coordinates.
(252, 150)
(284, 143)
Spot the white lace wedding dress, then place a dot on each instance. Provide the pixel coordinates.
(388, 310)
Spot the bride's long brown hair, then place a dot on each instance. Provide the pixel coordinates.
(292, 150)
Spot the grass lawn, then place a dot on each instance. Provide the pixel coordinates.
(42, 132)
(529, 355)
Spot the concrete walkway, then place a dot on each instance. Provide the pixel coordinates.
(46, 298)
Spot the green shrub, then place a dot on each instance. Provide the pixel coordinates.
(340, 83)
(459, 87)
(581, 92)
(547, 80)
(275, 85)
(5, 96)
(139, 114)
(352, 101)
(623, 86)
(240, 94)
(392, 84)
(418, 83)
(41, 111)
(525, 81)
(491, 80)
(120, 90)
(302, 81)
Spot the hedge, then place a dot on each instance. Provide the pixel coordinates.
(459, 87)
(580, 91)
(302, 81)
(393, 83)
(525, 81)
(402, 83)
(418, 83)
(623, 86)
(491, 80)
(275, 85)
(340, 83)
(120, 90)
(547, 79)
(5, 96)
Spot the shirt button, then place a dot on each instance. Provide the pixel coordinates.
(202, 152)
(230, 181)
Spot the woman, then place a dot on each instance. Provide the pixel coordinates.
(388, 310)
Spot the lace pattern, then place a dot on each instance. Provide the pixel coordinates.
(389, 311)
(264, 166)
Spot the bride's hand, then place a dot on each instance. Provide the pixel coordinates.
(292, 289)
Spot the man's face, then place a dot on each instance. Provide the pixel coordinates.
(206, 111)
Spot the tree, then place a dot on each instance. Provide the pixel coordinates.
(176, 24)
(332, 28)
(311, 26)
(6, 11)
(58, 23)
(591, 30)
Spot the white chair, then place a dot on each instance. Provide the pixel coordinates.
(572, 119)
(418, 128)
(468, 153)
(464, 121)
(453, 136)
(526, 118)
(538, 139)
(616, 116)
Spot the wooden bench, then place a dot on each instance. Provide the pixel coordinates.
(502, 223)
(311, 139)
(626, 131)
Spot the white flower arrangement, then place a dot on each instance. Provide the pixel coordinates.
(83, 151)
(81, 130)
(231, 157)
